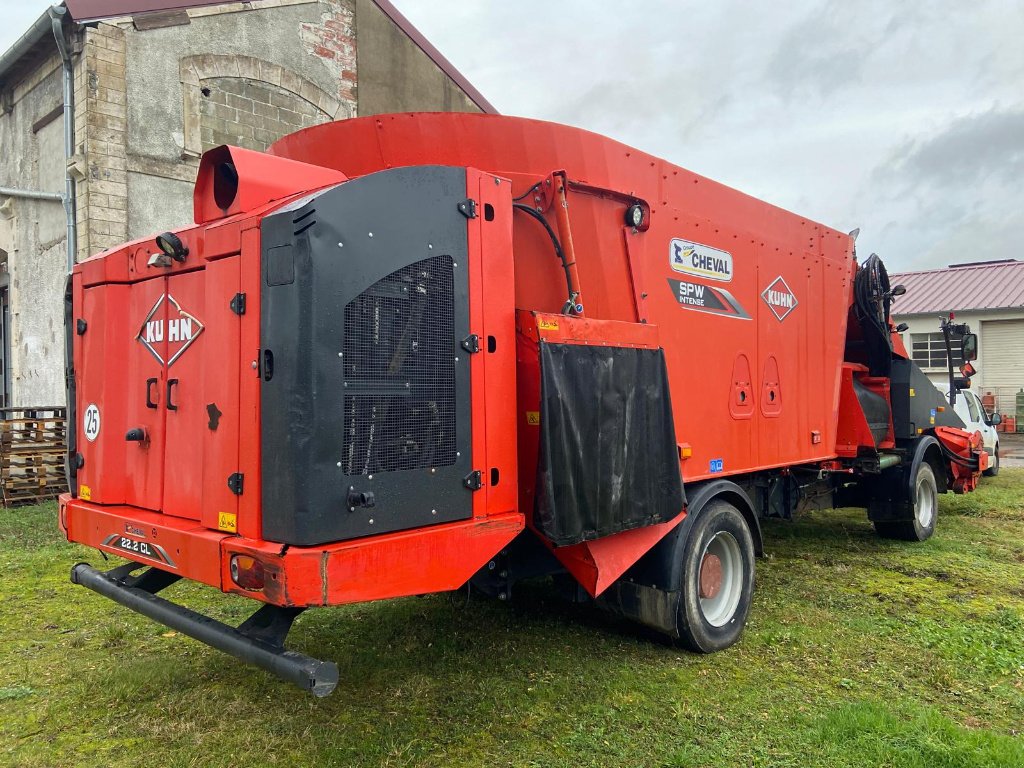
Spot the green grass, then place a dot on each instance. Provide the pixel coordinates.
(858, 652)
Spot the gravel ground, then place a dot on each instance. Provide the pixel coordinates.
(1011, 449)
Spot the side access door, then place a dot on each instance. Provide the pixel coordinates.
(201, 394)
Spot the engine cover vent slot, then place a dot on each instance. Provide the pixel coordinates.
(399, 372)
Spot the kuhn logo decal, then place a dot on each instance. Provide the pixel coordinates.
(779, 298)
(179, 329)
(700, 260)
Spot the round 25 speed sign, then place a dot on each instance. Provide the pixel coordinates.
(91, 422)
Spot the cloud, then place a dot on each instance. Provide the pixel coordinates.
(966, 151)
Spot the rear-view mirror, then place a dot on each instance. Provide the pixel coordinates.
(969, 347)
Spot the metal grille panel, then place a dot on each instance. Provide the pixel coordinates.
(399, 372)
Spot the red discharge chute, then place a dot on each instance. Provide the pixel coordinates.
(967, 446)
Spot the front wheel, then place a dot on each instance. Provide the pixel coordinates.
(717, 579)
(926, 510)
(993, 463)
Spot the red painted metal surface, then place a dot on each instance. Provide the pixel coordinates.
(173, 544)
(967, 445)
(853, 431)
(749, 302)
(233, 180)
(774, 253)
(190, 383)
(434, 559)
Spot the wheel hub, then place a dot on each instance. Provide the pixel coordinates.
(710, 576)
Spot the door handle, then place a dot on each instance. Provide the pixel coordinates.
(149, 393)
(170, 388)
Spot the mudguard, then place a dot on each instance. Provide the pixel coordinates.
(661, 566)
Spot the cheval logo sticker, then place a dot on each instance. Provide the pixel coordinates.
(700, 260)
(779, 298)
(179, 328)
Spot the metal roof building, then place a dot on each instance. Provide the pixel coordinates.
(989, 296)
(984, 285)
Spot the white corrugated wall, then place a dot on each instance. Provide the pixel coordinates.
(1002, 352)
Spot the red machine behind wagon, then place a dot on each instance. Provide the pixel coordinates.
(401, 354)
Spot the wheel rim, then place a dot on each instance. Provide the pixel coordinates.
(720, 579)
(925, 502)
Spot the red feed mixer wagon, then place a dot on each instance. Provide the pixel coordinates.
(397, 355)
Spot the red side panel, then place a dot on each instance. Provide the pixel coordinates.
(142, 385)
(218, 414)
(250, 522)
(202, 392)
(101, 371)
(494, 372)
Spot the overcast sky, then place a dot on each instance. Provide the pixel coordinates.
(904, 119)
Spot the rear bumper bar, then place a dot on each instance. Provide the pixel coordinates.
(257, 641)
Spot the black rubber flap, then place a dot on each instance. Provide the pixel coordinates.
(608, 455)
(876, 411)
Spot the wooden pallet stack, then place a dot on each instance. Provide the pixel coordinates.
(33, 443)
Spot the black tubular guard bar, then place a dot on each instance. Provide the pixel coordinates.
(317, 677)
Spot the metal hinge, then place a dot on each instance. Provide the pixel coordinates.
(471, 343)
(474, 480)
(236, 483)
(80, 326)
(468, 208)
(238, 304)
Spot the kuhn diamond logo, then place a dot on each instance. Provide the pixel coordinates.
(174, 326)
(779, 298)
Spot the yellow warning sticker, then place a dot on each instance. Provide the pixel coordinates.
(85, 493)
(547, 325)
(533, 418)
(228, 522)
(912, 393)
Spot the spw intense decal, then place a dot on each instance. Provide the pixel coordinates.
(175, 326)
(700, 260)
(704, 298)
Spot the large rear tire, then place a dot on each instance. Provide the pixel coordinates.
(717, 579)
(926, 510)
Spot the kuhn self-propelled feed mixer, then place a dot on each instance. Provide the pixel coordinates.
(401, 354)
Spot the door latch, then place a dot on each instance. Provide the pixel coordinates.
(471, 343)
(360, 499)
(467, 208)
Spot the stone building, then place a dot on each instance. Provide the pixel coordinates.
(155, 84)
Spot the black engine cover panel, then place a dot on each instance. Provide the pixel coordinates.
(365, 399)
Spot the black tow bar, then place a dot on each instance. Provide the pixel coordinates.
(259, 640)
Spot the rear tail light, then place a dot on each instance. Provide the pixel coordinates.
(247, 572)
